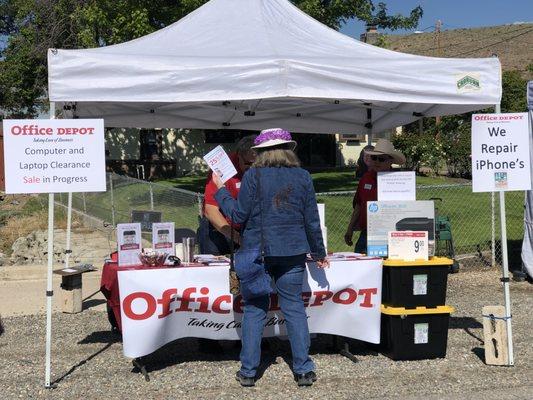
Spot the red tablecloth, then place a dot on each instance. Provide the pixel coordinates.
(109, 283)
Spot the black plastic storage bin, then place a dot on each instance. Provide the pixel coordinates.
(417, 283)
(416, 334)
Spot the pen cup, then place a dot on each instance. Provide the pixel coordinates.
(188, 249)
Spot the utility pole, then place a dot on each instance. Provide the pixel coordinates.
(438, 26)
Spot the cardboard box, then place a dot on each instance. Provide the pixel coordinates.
(387, 216)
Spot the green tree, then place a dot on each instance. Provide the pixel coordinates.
(33, 26)
(513, 92)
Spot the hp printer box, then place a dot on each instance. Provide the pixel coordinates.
(387, 216)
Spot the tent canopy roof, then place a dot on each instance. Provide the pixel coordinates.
(253, 64)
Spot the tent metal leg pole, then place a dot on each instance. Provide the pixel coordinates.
(493, 228)
(49, 286)
(68, 250)
(505, 269)
(505, 272)
(49, 289)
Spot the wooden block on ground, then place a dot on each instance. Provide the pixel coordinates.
(495, 335)
(71, 294)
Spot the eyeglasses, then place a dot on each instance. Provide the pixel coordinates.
(380, 158)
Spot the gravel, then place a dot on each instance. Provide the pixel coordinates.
(87, 360)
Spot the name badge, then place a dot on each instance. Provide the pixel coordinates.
(238, 185)
(368, 186)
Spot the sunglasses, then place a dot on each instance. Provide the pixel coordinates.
(380, 158)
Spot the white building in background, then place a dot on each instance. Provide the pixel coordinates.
(177, 152)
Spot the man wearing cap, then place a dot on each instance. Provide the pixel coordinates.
(383, 156)
(214, 233)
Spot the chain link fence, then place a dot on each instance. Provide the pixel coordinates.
(474, 217)
(125, 194)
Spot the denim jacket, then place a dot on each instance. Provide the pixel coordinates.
(291, 224)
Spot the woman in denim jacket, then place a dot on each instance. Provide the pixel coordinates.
(291, 230)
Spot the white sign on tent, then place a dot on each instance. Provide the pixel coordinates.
(54, 156)
(500, 152)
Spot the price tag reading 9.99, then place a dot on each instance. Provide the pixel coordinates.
(408, 245)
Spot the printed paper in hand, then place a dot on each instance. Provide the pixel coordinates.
(220, 164)
(129, 244)
(163, 238)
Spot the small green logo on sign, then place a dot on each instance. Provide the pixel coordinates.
(467, 83)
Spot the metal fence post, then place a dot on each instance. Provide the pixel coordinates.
(112, 200)
(199, 199)
(151, 197)
(84, 202)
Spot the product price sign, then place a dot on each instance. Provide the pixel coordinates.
(500, 152)
(54, 156)
(408, 245)
(399, 185)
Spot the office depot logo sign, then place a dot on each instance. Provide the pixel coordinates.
(161, 305)
(197, 300)
(54, 156)
(37, 130)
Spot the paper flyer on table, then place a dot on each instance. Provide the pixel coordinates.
(163, 238)
(129, 243)
(220, 163)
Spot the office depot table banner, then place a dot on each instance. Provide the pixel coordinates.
(162, 305)
(54, 156)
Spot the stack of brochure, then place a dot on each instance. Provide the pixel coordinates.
(344, 256)
(211, 260)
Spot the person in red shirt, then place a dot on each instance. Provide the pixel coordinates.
(214, 233)
(382, 158)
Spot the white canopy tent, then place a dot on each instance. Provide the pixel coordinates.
(251, 64)
(254, 64)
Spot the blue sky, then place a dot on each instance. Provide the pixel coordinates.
(455, 13)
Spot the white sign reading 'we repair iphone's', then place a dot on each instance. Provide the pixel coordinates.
(54, 156)
(500, 152)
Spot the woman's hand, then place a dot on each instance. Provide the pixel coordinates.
(323, 263)
(217, 180)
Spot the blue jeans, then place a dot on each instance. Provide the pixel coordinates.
(288, 280)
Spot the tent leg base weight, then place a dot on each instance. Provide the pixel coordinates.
(51, 386)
